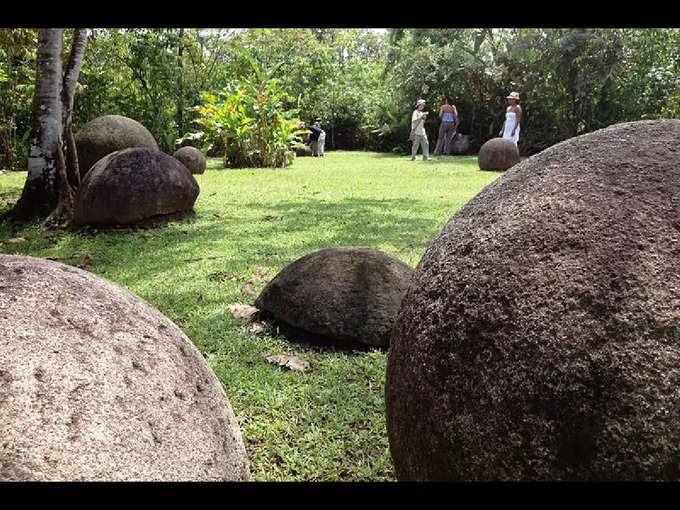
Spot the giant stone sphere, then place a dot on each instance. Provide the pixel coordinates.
(98, 385)
(540, 337)
(107, 134)
(132, 185)
(497, 154)
(192, 158)
(347, 294)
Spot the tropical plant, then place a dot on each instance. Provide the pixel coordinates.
(250, 121)
(17, 76)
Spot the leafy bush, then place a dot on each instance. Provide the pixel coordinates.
(250, 121)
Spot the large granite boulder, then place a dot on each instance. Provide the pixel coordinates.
(192, 158)
(107, 134)
(540, 337)
(96, 384)
(346, 294)
(497, 154)
(132, 185)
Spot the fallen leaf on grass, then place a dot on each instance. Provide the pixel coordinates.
(248, 290)
(290, 362)
(256, 327)
(201, 299)
(242, 311)
(14, 240)
(259, 273)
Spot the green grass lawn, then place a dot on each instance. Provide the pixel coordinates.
(327, 423)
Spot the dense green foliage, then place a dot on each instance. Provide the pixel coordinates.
(17, 77)
(571, 81)
(324, 424)
(362, 84)
(249, 122)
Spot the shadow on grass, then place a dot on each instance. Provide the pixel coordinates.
(312, 341)
(280, 233)
(349, 222)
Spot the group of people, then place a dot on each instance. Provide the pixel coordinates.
(449, 125)
(447, 128)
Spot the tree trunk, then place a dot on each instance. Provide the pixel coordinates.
(48, 190)
(39, 196)
(63, 212)
(67, 96)
(180, 85)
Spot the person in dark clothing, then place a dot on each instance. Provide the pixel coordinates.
(317, 139)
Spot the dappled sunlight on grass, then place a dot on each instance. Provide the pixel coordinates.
(324, 424)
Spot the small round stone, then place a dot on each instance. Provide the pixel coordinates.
(498, 154)
(192, 158)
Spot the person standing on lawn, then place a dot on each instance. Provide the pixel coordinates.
(318, 138)
(448, 127)
(418, 134)
(513, 116)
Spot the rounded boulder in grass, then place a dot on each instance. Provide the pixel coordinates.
(348, 295)
(133, 185)
(540, 338)
(98, 385)
(107, 134)
(498, 154)
(192, 158)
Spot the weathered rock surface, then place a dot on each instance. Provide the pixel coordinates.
(192, 158)
(347, 294)
(540, 337)
(132, 185)
(96, 384)
(460, 144)
(107, 134)
(497, 154)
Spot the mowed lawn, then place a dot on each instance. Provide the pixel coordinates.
(325, 424)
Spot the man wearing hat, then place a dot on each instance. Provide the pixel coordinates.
(513, 116)
(418, 134)
(317, 138)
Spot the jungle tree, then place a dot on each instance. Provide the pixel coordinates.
(47, 190)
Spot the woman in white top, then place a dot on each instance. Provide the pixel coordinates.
(513, 116)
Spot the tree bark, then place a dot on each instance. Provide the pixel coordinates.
(63, 212)
(67, 96)
(180, 85)
(49, 187)
(39, 196)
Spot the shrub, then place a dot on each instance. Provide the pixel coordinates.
(250, 121)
